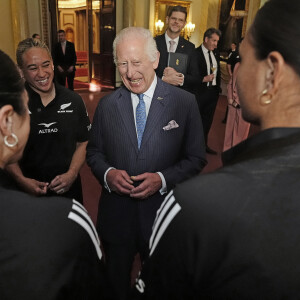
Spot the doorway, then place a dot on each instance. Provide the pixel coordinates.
(90, 25)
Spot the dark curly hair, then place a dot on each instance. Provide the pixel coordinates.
(11, 84)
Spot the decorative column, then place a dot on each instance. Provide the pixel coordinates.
(129, 10)
(19, 21)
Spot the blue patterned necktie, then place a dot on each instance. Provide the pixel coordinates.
(140, 119)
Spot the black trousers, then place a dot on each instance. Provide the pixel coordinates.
(119, 260)
(207, 99)
(62, 76)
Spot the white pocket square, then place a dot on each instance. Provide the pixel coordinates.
(171, 125)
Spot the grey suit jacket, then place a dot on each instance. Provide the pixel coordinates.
(178, 153)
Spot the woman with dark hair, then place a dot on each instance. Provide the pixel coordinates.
(235, 234)
(14, 117)
(48, 249)
(59, 132)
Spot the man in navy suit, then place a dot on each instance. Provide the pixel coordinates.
(207, 60)
(138, 166)
(64, 58)
(176, 21)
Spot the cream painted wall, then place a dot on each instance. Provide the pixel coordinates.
(262, 2)
(119, 27)
(142, 13)
(34, 17)
(254, 6)
(119, 15)
(199, 16)
(31, 17)
(6, 31)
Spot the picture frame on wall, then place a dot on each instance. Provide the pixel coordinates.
(231, 25)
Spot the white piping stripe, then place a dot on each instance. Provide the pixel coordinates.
(165, 225)
(163, 213)
(79, 204)
(162, 205)
(88, 229)
(82, 212)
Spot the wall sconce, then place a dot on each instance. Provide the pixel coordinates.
(159, 25)
(189, 29)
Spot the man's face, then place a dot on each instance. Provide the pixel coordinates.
(38, 69)
(176, 22)
(61, 37)
(135, 68)
(212, 42)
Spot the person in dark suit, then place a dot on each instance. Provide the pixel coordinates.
(49, 247)
(176, 21)
(207, 59)
(235, 234)
(145, 138)
(64, 59)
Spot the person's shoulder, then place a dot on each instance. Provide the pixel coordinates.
(187, 43)
(115, 94)
(65, 92)
(36, 205)
(217, 53)
(70, 43)
(199, 51)
(159, 37)
(211, 192)
(112, 97)
(178, 94)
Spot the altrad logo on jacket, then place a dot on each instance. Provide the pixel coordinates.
(47, 128)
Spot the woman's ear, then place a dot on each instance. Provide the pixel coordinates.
(6, 113)
(274, 73)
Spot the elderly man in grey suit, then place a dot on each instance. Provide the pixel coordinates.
(144, 140)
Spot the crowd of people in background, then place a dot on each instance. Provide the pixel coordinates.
(230, 234)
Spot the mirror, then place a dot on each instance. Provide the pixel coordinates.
(161, 10)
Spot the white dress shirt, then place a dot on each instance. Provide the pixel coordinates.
(168, 39)
(214, 61)
(63, 46)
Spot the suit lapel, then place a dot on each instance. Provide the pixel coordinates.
(180, 46)
(124, 105)
(157, 108)
(163, 52)
(202, 57)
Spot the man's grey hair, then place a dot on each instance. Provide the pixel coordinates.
(136, 33)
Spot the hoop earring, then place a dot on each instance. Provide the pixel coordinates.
(265, 98)
(14, 143)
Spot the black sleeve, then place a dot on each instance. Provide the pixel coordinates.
(191, 79)
(84, 124)
(164, 275)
